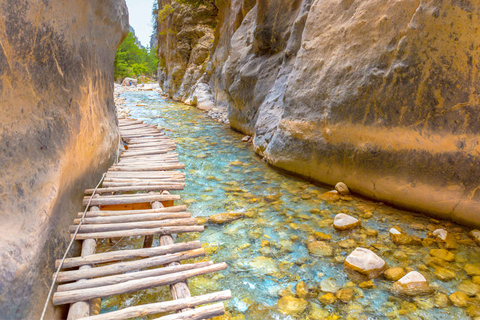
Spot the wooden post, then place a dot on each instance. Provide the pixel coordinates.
(82, 309)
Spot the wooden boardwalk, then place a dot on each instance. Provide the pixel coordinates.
(149, 168)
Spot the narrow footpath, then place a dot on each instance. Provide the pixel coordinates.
(134, 200)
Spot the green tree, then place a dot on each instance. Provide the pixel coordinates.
(134, 61)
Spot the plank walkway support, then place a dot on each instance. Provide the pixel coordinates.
(134, 200)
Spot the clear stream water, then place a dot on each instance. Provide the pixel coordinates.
(266, 251)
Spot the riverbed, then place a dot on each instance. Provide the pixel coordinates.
(266, 249)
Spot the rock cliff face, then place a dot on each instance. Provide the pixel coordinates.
(383, 95)
(57, 133)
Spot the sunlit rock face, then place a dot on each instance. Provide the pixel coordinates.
(382, 95)
(57, 133)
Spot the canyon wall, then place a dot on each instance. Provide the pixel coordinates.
(58, 134)
(383, 95)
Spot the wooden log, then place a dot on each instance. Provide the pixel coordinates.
(143, 153)
(166, 186)
(146, 145)
(133, 141)
(121, 267)
(162, 307)
(206, 312)
(126, 136)
(150, 174)
(149, 168)
(92, 258)
(123, 199)
(115, 279)
(132, 286)
(147, 183)
(129, 123)
(139, 130)
(139, 232)
(82, 308)
(106, 213)
(107, 227)
(135, 217)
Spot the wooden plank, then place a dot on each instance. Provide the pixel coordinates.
(146, 183)
(206, 312)
(138, 187)
(102, 213)
(123, 199)
(92, 258)
(126, 136)
(107, 227)
(138, 232)
(162, 307)
(143, 153)
(143, 145)
(134, 217)
(148, 168)
(121, 267)
(115, 279)
(132, 286)
(146, 174)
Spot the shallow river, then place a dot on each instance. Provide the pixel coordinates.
(266, 250)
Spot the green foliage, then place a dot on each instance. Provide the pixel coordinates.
(165, 12)
(132, 61)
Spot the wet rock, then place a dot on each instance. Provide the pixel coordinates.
(366, 284)
(424, 303)
(475, 235)
(345, 222)
(330, 196)
(328, 298)
(371, 232)
(320, 249)
(442, 254)
(246, 139)
(264, 265)
(476, 279)
(329, 285)
(412, 284)
(440, 300)
(225, 217)
(236, 163)
(398, 237)
(469, 288)
(365, 262)
(347, 243)
(440, 234)
(474, 310)
(272, 197)
(301, 289)
(444, 274)
(345, 295)
(322, 236)
(394, 274)
(472, 269)
(447, 240)
(292, 306)
(342, 189)
(459, 299)
(317, 312)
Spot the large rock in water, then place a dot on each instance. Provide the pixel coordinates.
(58, 133)
(365, 262)
(412, 284)
(351, 91)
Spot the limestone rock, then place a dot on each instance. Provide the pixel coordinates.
(128, 82)
(292, 306)
(365, 262)
(412, 284)
(342, 189)
(394, 274)
(345, 222)
(224, 217)
(320, 249)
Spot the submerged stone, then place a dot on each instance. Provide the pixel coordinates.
(329, 285)
(459, 299)
(225, 217)
(345, 295)
(345, 222)
(469, 287)
(394, 274)
(442, 254)
(412, 284)
(320, 249)
(444, 274)
(328, 298)
(292, 306)
(475, 234)
(365, 262)
(472, 269)
(301, 289)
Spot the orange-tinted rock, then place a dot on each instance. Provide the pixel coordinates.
(365, 262)
(345, 222)
(412, 284)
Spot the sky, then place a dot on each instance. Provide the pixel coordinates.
(140, 14)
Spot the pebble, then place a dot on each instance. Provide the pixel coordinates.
(345, 222)
(469, 287)
(292, 306)
(320, 249)
(442, 254)
(342, 189)
(367, 284)
(366, 262)
(398, 237)
(472, 270)
(444, 274)
(345, 295)
(329, 285)
(394, 274)
(327, 298)
(475, 234)
(459, 299)
(440, 234)
(301, 289)
(412, 284)
(225, 217)
(322, 236)
(440, 300)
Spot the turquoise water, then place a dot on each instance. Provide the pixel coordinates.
(266, 250)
